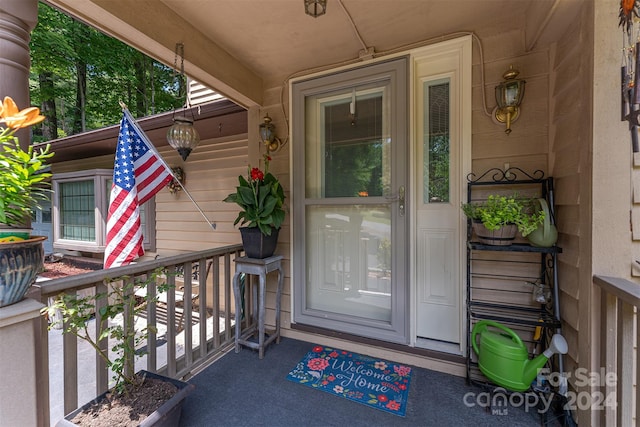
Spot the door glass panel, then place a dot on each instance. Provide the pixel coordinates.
(436, 142)
(348, 248)
(351, 251)
(348, 151)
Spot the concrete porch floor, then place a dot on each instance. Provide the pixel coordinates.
(242, 390)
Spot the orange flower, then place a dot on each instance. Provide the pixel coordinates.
(15, 118)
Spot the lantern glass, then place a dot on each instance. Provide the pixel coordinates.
(267, 131)
(182, 136)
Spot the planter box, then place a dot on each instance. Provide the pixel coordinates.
(167, 415)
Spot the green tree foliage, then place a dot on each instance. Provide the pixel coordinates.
(79, 75)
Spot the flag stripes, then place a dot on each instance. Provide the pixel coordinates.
(138, 174)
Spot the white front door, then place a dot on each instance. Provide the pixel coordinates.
(439, 87)
(350, 185)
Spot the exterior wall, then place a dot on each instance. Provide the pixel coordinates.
(614, 253)
(570, 99)
(280, 167)
(527, 148)
(211, 173)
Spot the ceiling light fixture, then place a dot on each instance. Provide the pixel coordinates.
(315, 8)
(182, 136)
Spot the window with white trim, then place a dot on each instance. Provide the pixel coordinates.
(81, 205)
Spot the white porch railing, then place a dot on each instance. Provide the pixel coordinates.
(619, 340)
(206, 322)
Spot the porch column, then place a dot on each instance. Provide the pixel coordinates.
(17, 19)
(19, 326)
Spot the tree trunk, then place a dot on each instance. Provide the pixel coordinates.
(48, 106)
(79, 119)
(141, 85)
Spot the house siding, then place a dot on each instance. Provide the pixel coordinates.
(527, 148)
(614, 252)
(211, 173)
(570, 97)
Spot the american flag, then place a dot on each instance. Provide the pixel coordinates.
(138, 174)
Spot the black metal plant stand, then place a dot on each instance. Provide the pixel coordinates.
(500, 281)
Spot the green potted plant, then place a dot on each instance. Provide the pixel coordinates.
(261, 199)
(149, 398)
(497, 219)
(23, 176)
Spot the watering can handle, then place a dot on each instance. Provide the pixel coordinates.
(546, 227)
(482, 326)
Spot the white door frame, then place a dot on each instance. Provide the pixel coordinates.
(462, 49)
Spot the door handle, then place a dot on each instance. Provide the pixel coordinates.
(400, 198)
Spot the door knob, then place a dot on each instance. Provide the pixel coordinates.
(400, 198)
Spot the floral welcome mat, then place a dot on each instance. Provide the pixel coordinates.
(373, 382)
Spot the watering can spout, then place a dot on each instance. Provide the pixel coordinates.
(558, 345)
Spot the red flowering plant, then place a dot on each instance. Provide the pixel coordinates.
(261, 198)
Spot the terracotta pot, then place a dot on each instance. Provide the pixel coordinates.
(20, 264)
(503, 236)
(256, 244)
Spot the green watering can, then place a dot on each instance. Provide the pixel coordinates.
(504, 359)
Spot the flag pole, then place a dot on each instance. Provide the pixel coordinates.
(152, 147)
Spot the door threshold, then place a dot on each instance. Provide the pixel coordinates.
(455, 357)
(441, 346)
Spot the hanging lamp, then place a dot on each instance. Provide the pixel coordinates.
(182, 136)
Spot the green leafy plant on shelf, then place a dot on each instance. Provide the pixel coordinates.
(120, 308)
(500, 210)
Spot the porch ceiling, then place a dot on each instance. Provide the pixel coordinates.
(241, 47)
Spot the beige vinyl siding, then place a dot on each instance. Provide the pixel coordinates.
(102, 162)
(211, 173)
(572, 173)
(572, 158)
(527, 146)
(279, 166)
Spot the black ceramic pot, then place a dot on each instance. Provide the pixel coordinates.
(256, 244)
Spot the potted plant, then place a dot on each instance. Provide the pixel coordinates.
(23, 184)
(141, 398)
(496, 219)
(261, 199)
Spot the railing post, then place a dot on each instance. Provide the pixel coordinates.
(619, 305)
(102, 374)
(624, 362)
(608, 348)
